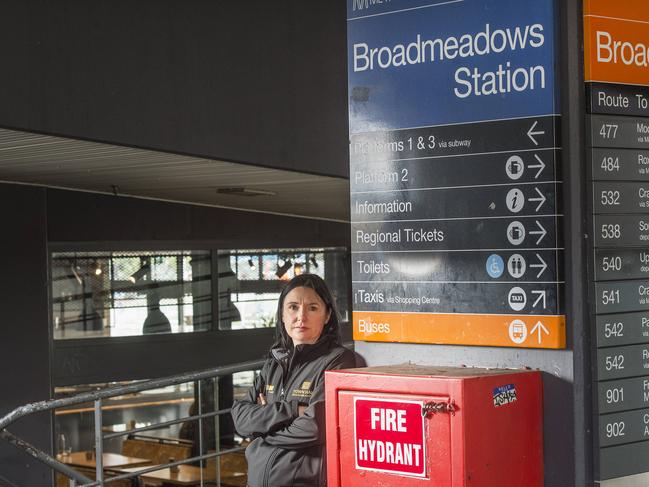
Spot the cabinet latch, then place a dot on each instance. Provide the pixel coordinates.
(433, 407)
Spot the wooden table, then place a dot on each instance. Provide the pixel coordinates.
(111, 460)
(186, 475)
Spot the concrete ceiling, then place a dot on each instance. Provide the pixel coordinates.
(103, 168)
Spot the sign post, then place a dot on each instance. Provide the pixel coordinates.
(454, 177)
(617, 84)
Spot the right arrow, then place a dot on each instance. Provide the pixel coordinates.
(540, 166)
(543, 266)
(540, 327)
(541, 199)
(541, 231)
(531, 133)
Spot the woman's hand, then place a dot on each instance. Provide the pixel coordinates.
(300, 409)
(262, 399)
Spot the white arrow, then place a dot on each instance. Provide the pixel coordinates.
(540, 166)
(541, 329)
(541, 297)
(531, 133)
(541, 199)
(542, 232)
(541, 266)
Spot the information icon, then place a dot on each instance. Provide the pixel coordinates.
(515, 233)
(517, 298)
(515, 200)
(514, 167)
(495, 266)
(517, 331)
(516, 266)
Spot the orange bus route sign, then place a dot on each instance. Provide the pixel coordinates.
(616, 41)
(524, 331)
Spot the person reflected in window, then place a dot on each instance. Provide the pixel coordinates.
(156, 321)
(284, 410)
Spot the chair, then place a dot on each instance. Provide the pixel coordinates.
(158, 450)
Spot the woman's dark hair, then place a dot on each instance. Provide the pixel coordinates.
(315, 282)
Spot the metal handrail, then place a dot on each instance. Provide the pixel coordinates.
(97, 397)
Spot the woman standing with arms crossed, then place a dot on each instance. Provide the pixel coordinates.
(284, 411)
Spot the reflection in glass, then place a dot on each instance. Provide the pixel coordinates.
(250, 282)
(100, 294)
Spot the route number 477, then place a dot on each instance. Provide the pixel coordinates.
(608, 130)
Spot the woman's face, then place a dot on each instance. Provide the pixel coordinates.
(304, 314)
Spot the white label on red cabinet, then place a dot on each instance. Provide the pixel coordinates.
(389, 436)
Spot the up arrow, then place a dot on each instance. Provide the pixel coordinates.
(531, 133)
(540, 327)
(541, 199)
(541, 231)
(540, 166)
(541, 266)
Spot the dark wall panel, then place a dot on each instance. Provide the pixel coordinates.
(84, 217)
(24, 342)
(257, 81)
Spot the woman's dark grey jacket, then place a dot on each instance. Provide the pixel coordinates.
(288, 449)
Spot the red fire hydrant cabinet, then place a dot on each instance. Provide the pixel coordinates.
(409, 425)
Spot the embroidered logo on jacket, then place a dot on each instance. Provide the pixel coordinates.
(270, 388)
(304, 390)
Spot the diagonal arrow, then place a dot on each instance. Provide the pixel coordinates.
(541, 199)
(541, 297)
(540, 327)
(540, 166)
(531, 133)
(541, 231)
(543, 266)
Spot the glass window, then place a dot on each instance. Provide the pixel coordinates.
(250, 282)
(111, 294)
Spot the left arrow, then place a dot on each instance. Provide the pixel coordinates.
(531, 133)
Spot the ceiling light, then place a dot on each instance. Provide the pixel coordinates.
(245, 192)
(283, 269)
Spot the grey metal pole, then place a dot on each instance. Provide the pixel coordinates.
(200, 426)
(99, 443)
(217, 433)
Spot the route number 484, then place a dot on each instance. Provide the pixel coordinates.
(610, 164)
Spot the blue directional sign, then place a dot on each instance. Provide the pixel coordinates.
(428, 62)
(453, 116)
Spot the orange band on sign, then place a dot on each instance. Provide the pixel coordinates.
(616, 41)
(524, 331)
